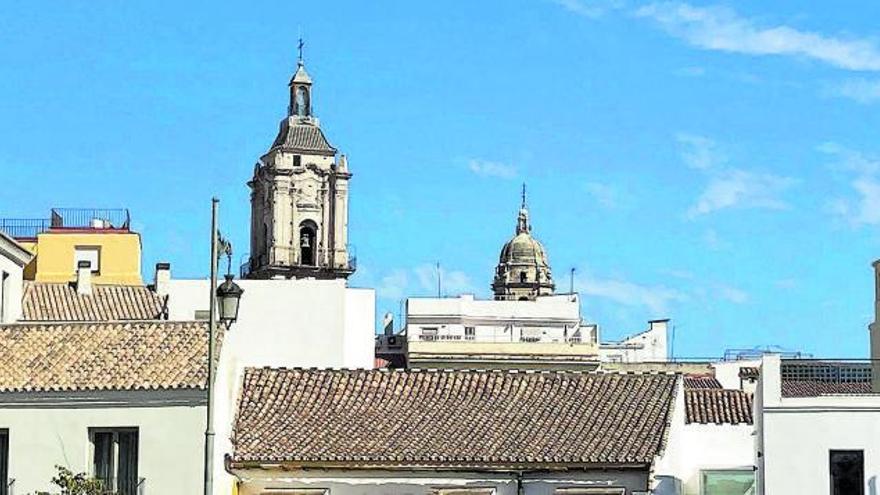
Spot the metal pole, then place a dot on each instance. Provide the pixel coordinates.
(571, 286)
(212, 323)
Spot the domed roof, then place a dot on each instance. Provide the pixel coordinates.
(523, 249)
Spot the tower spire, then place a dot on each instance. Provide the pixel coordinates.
(522, 222)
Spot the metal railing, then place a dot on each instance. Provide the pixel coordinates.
(254, 263)
(810, 370)
(24, 228)
(113, 486)
(90, 218)
(503, 338)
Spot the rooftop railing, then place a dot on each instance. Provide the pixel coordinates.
(844, 371)
(67, 218)
(24, 228)
(90, 218)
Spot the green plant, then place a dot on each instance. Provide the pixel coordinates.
(72, 483)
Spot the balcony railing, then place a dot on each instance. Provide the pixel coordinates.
(503, 338)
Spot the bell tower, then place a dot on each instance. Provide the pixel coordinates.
(299, 197)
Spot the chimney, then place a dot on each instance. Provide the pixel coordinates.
(162, 278)
(84, 277)
(874, 329)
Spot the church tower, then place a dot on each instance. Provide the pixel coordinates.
(299, 197)
(523, 273)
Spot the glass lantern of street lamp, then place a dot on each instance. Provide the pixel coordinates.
(228, 297)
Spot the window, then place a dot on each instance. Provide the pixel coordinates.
(522, 277)
(470, 333)
(115, 458)
(4, 462)
(464, 491)
(92, 254)
(592, 490)
(428, 333)
(847, 469)
(728, 482)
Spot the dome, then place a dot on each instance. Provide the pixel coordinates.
(523, 249)
(523, 272)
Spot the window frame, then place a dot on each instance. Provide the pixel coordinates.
(704, 472)
(115, 452)
(96, 270)
(4, 462)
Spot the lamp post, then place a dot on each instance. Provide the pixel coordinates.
(224, 298)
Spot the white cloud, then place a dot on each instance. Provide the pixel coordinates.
(486, 168)
(699, 152)
(606, 195)
(654, 297)
(737, 188)
(722, 29)
(692, 71)
(731, 294)
(864, 91)
(864, 180)
(712, 241)
(453, 282)
(589, 8)
(393, 286)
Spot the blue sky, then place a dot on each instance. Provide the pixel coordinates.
(714, 163)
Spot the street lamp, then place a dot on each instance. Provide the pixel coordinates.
(228, 297)
(224, 299)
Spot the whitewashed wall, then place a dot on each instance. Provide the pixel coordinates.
(281, 323)
(647, 346)
(354, 482)
(548, 318)
(12, 261)
(50, 429)
(796, 435)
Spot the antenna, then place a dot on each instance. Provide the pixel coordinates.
(571, 286)
(439, 281)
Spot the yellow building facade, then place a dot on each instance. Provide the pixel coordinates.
(101, 237)
(116, 257)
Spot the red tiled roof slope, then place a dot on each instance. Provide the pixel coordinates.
(815, 388)
(700, 381)
(451, 418)
(103, 356)
(60, 302)
(718, 406)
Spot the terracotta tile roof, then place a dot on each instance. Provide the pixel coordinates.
(749, 372)
(701, 381)
(815, 388)
(451, 417)
(60, 302)
(718, 406)
(304, 137)
(103, 356)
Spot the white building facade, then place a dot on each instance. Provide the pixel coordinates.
(13, 259)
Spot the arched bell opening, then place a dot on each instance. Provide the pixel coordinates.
(308, 249)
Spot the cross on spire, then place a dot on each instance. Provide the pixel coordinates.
(524, 195)
(300, 46)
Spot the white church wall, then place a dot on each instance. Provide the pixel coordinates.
(13, 258)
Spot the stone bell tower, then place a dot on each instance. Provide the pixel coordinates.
(299, 198)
